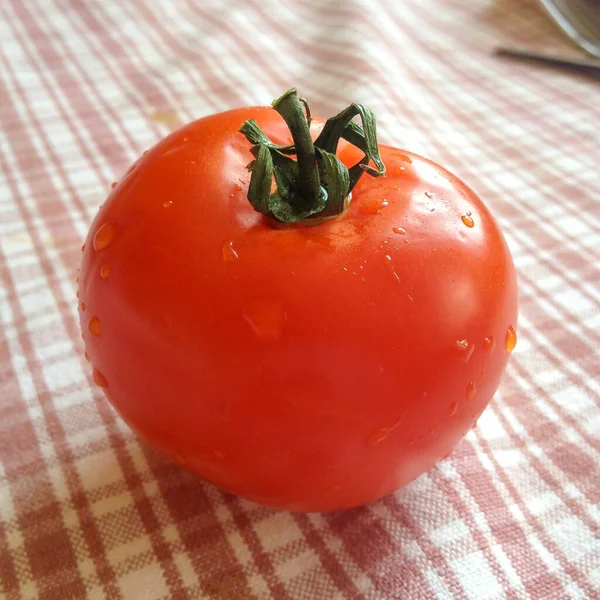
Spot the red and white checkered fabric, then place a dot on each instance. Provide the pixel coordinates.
(86, 511)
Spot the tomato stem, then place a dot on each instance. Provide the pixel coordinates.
(317, 184)
(289, 106)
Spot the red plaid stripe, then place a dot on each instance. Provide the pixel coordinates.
(88, 512)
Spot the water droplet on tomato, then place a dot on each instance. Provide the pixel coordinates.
(99, 379)
(229, 252)
(104, 271)
(399, 230)
(266, 319)
(489, 344)
(372, 207)
(167, 203)
(83, 247)
(185, 139)
(466, 349)
(453, 408)
(404, 158)
(390, 263)
(237, 186)
(94, 326)
(77, 293)
(429, 195)
(467, 220)
(83, 307)
(471, 390)
(87, 356)
(377, 436)
(105, 236)
(113, 185)
(511, 339)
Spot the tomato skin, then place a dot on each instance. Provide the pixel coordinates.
(302, 367)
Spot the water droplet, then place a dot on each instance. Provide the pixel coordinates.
(467, 220)
(77, 293)
(511, 339)
(94, 326)
(404, 158)
(390, 263)
(229, 252)
(185, 139)
(372, 207)
(105, 236)
(469, 213)
(377, 436)
(453, 408)
(83, 307)
(83, 247)
(466, 349)
(489, 344)
(113, 185)
(430, 195)
(99, 379)
(87, 356)
(399, 230)
(267, 320)
(104, 271)
(237, 186)
(471, 390)
(167, 203)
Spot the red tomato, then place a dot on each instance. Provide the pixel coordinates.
(306, 368)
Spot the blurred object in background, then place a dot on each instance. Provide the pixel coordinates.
(579, 19)
(584, 67)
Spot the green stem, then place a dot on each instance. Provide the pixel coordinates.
(308, 183)
(316, 184)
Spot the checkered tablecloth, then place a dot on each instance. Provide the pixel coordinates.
(87, 511)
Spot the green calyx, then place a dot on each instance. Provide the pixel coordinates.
(316, 184)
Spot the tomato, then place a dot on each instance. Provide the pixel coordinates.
(312, 365)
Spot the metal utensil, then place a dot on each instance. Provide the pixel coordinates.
(579, 19)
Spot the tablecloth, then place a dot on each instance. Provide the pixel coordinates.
(87, 510)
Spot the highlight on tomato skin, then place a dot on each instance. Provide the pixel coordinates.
(293, 312)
